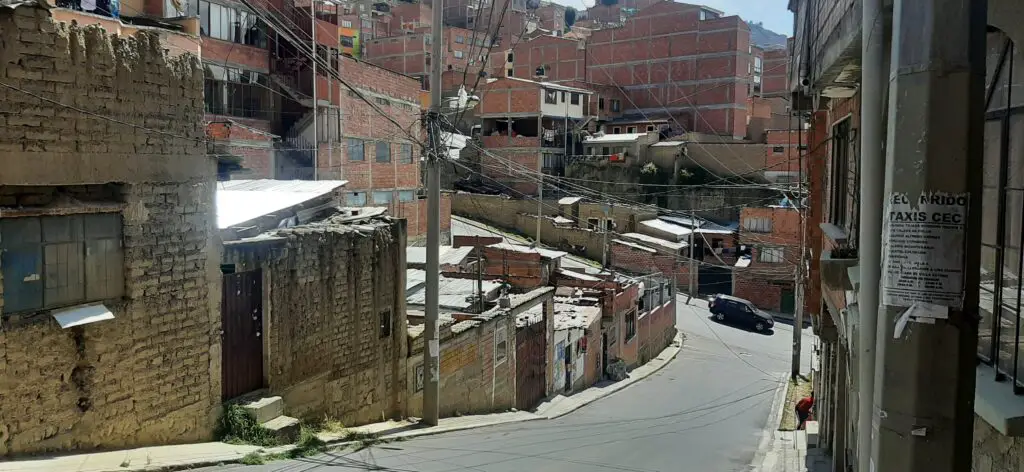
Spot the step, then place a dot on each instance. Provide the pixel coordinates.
(812, 428)
(264, 409)
(285, 428)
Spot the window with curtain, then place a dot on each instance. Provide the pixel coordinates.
(382, 197)
(231, 24)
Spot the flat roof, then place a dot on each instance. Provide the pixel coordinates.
(239, 201)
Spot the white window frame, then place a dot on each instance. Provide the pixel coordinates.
(771, 254)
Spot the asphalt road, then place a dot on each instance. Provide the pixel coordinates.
(704, 412)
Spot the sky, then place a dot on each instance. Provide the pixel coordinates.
(772, 13)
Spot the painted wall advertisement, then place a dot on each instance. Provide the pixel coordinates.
(924, 254)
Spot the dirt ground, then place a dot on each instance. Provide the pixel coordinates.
(794, 392)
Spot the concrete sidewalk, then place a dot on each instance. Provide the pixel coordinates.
(787, 451)
(215, 453)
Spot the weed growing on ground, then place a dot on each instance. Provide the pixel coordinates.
(253, 458)
(236, 426)
(309, 444)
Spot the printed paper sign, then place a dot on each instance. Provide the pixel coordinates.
(923, 250)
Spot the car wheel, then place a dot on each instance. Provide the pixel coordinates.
(720, 316)
(759, 327)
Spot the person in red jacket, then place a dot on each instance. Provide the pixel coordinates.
(803, 410)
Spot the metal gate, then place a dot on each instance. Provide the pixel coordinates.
(530, 365)
(242, 334)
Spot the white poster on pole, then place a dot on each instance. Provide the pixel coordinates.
(923, 249)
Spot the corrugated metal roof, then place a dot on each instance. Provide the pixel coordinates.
(453, 293)
(569, 200)
(643, 238)
(549, 253)
(667, 227)
(614, 138)
(447, 255)
(635, 245)
(669, 144)
(239, 201)
(579, 275)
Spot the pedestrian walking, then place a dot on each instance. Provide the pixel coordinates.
(803, 410)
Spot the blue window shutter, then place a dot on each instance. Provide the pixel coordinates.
(21, 259)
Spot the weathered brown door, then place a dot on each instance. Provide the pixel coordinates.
(242, 334)
(530, 366)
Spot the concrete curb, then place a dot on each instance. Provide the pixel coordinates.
(771, 424)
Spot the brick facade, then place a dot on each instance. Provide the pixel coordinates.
(769, 278)
(151, 375)
(253, 146)
(650, 259)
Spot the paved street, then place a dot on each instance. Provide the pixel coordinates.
(704, 412)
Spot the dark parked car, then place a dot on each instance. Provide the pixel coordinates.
(740, 311)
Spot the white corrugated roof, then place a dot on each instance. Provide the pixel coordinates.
(452, 293)
(643, 238)
(635, 245)
(447, 255)
(614, 138)
(667, 227)
(239, 201)
(549, 253)
(669, 143)
(569, 200)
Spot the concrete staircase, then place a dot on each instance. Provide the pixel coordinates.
(269, 413)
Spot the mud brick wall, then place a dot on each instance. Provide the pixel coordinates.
(152, 374)
(327, 352)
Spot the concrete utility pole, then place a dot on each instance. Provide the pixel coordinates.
(604, 250)
(693, 254)
(927, 328)
(432, 347)
(872, 180)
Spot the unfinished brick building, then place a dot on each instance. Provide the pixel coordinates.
(767, 276)
(108, 297)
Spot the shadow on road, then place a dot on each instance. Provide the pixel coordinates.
(742, 326)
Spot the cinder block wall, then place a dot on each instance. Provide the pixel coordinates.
(328, 352)
(152, 374)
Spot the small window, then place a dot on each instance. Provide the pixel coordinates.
(616, 105)
(574, 99)
(459, 54)
(757, 224)
(616, 130)
(383, 151)
(355, 150)
(460, 39)
(592, 223)
(346, 23)
(418, 382)
(600, 103)
(59, 261)
(406, 195)
(605, 151)
(778, 149)
(347, 41)
(563, 97)
(631, 129)
(508, 73)
(386, 323)
(405, 153)
(510, 58)
(356, 199)
(500, 346)
(382, 197)
(630, 325)
(772, 255)
(550, 97)
(650, 128)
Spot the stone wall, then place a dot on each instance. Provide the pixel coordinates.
(473, 377)
(994, 452)
(151, 375)
(336, 323)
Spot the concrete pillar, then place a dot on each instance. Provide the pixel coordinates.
(924, 373)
